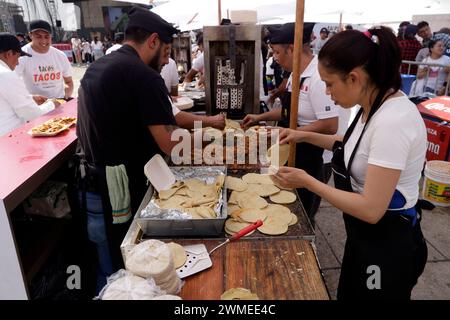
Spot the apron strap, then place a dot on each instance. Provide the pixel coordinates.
(286, 107)
(375, 106)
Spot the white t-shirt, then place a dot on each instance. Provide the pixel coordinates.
(199, 63)
(86, 46)
(344, 123)
(318, 43)
(396, 138)
(169, 73)
(16, 104)
(269, 69)
(76, 44)
(43, 73)
(115, 47)
(314, 103)
(436, 75)
(97, 45)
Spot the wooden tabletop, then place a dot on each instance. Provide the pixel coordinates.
(274, 269)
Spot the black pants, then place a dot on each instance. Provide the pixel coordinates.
(309, 158)
(394, 246)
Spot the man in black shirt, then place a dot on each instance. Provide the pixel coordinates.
(124, 118)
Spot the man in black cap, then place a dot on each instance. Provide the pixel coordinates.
(118, 39)
(16, 104)
(318, 43)
(49, 72)
(124, 118)
(316, 111)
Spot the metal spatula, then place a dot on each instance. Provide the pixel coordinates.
(198, 257)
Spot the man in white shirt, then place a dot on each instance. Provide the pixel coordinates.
(169, 73)
(16, 105)
(316, 111)
(318, 43)
(118, 39)
(48, 72)
(198, 65)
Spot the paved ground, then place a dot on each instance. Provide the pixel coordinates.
(330, 238)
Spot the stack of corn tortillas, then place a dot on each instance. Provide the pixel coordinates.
(246, 205)
(193, 196)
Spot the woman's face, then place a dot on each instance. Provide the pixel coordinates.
(344, 92)
(438, 48)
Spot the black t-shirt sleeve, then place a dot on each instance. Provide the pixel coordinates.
(286, 74)
(152, 99)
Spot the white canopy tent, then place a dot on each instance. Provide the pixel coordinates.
(189, 15)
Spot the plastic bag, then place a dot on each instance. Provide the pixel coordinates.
(49, 199)
(123, 285)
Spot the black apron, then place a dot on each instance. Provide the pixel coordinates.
(395, 244)
(308, 157)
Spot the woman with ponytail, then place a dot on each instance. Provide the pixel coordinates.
(376, 165)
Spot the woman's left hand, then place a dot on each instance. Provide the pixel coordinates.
(288, 177)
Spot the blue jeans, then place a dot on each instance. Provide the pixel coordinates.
(97, 234)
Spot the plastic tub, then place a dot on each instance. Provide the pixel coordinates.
(436, 184)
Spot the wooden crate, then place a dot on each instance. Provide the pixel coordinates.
(232, 69)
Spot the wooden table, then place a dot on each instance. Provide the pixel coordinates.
(274, 269)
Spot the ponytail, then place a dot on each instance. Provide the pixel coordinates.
(376, 51)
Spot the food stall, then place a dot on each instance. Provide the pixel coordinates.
(273, 264)
(26, 163)
(274, 267)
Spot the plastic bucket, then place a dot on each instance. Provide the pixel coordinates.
(436, 185)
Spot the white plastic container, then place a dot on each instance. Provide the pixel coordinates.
(158, 173)
(436, 184)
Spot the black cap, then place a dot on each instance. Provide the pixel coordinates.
(119, 36)
(10, 42)
(151, 22)
(411, 29)
(286, 33)
(404, 24)
(324, 30)
(40, 25)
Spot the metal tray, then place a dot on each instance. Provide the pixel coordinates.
(181, 227)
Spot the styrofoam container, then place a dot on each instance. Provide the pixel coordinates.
(158, 173)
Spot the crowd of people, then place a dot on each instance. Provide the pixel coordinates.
(85, 51)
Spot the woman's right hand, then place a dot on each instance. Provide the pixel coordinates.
(249, 120)
(292, 135)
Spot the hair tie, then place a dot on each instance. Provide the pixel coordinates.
(372, 37)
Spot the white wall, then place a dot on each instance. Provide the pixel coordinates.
(436, 21)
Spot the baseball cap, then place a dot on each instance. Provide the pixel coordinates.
(36, 25)
(324, 30)
(286, 33)
(10, 42)
(151, 22)
(119, 36)
(411, 29)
